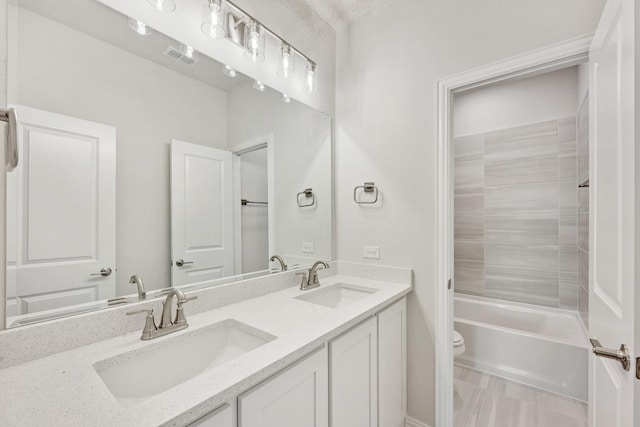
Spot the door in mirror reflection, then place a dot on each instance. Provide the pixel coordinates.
(60, 213)
(201, 215)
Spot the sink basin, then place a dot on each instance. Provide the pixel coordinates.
(337, 296)
(141, 374)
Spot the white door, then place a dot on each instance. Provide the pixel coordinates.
(201, 214)
(61, 212)
(612, 241)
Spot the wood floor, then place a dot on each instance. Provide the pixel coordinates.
(483, 400)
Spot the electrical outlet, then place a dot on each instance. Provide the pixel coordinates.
(371, 252)
(307, 247)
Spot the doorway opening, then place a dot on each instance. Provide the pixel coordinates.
(509, 237)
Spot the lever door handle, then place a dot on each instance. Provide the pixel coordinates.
(621, 355)
(182, 262)
(104, 272)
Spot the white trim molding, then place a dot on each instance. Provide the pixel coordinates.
(412, 422)
(562, 55)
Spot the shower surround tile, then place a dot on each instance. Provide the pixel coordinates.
(469, 178)
(568, 293)
(522, 229)
(469, 280)
(522, 199)
(567, 133)
(468, 254)
(468, 228)
(516, 213)
(568, 230)
(521, 171)
(521, 286)
(467, 148)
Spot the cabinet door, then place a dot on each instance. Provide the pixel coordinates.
(221, 417)
(297, 397)
(354, 371)
(392, 365)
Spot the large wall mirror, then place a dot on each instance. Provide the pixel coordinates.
(142, 158)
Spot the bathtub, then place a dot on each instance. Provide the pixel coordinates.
(538, 346)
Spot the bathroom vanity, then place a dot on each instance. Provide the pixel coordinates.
(335, 354)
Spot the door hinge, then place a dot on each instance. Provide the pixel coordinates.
(449, 284)
(638, 368)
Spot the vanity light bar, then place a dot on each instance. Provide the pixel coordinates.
(270, 32)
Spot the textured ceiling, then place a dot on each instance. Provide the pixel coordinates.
(340, 12)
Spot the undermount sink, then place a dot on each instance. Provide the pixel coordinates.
(337, 296)
(139, 375)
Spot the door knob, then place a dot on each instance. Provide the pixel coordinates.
(621, 355)
(181, 262)
(104, 272)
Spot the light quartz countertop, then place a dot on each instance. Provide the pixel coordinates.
(65, 389)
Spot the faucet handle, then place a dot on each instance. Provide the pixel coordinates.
(187, 299)
(148, 311)
(149, 324)
(304, 281)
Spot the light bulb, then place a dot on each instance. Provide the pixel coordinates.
(212, 21)
(259, 86)
(310, 78)
(188, 51)
(286, 68)
(228, 71)
(139, 27)
(285, 98)
(163, 5)
(254, 42)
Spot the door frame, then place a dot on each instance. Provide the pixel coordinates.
(554, 57)
(246, 146)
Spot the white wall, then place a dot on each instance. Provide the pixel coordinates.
(387, 67)
(254, 217)
(515, 103)
(583, 81)
(302, 159)
(147, 104)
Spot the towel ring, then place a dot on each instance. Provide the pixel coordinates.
(368, 187)
(308, 193)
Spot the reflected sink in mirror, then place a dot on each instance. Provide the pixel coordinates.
(141, 374)
(339, 295)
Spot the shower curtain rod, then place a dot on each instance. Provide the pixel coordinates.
(245, 202)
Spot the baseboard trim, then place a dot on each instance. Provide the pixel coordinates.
(412, 422)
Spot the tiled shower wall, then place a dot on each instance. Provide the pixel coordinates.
(583, 212)
(516, 222)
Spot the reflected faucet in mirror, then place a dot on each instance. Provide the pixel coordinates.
(283, 266)
(142, 294)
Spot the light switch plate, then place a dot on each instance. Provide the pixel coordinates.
(307, 247)
(371, 252)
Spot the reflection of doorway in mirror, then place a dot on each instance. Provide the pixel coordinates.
(202, 224)
(253, 197)
(254, 211)
(60, 213)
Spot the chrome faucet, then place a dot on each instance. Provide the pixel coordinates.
(166, 326)
(283, 266)
(311, 281)
(142, 294)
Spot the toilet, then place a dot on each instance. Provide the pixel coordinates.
(458, 344)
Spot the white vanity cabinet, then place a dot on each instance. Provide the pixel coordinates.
(224, 416)
(392, 365)
(353, 358)
(296, 397)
